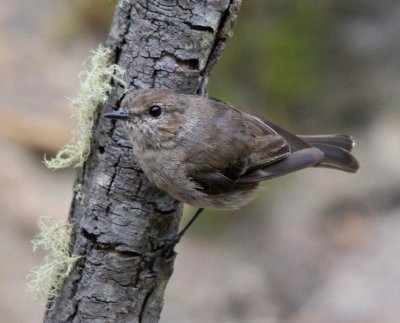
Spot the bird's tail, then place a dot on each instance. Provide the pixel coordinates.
(336, 149)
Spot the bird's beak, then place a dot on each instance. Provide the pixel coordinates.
(117, 114)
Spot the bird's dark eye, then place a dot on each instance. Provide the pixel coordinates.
(155, 111)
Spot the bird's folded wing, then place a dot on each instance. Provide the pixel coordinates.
(260, 147)
(295, 161)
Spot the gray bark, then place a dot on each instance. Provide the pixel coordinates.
(122, 222)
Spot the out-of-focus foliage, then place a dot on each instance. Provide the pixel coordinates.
(275, 59)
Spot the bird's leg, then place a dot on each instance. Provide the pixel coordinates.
(187, 226)
(167, 247)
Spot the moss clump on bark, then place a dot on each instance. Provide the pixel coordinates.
(55, 238)
(95, 88)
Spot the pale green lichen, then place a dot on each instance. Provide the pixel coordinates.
(95, 88)
(55, 238)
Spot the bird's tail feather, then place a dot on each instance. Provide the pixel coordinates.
(331, 151)
(336, 149)
(342, 141)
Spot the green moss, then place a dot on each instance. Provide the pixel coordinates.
(47, 279)
(94, 90)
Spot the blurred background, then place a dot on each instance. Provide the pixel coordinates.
(316, 246)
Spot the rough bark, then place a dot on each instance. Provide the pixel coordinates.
(121, 221)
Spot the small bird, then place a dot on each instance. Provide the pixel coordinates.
(209, 154)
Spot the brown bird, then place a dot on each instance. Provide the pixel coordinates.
(209, 154)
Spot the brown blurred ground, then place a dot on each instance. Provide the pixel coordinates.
(319, 246)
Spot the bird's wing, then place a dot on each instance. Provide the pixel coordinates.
(270, 146)
(300, 155)
(239, 145)
(297, 160)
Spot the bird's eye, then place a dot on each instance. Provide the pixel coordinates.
(155, 111)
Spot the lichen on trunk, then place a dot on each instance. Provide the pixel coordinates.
(94, 90)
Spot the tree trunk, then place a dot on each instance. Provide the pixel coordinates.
(120, 220)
